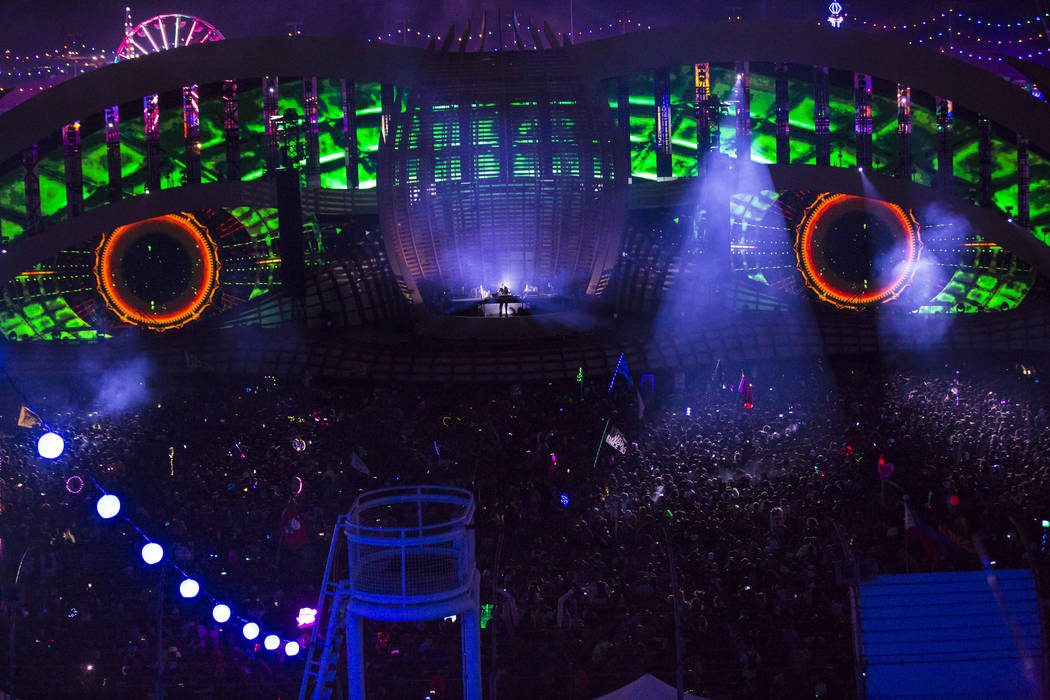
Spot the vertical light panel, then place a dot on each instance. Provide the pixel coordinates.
(662, 100)
(822, 115)
(191, 132)
(31, 180)
(151, 131)
(945, 146)
(313, 148)
(270, 115)
(862, 118)
(113, 165)
(231, 129)
(783, 110)
(701, 103)
(903, 131)
(743, 111)
(74, 168)
(350, 132)
(388, 104)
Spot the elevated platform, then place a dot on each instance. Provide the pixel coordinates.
(402, 554)
(411, 553)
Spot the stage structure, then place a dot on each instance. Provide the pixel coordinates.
(401, 554)
(503, 168)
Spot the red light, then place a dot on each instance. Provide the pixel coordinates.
(953, 499)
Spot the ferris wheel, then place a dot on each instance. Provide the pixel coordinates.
(165, 32)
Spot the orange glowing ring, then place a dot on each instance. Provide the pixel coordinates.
(829, 286)
(194, 299)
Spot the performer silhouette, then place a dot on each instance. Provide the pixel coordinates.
(504, 293)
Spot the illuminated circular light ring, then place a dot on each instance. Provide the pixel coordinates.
(121, 301)
(828, 286)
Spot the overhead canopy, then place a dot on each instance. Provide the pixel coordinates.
(648, 687)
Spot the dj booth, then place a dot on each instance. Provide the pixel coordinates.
(490, 305)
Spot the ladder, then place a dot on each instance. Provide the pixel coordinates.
(329, 634)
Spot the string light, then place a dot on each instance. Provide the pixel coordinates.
(610, 27)
(221, 613)
(50, 445)
(152, 553)
(945, 17)
(189, 588)
(108, 506)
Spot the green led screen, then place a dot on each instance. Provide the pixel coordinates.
(57, 299)
(843, 151)
(213, 148)
(961, 272)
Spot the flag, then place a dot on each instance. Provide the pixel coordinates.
(745, 389)
(616, 439)
(359, 464)
(623, 371)
(28, 419)
(933, 542)
(641, 406)
(292, 528)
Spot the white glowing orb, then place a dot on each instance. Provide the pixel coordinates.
(108, 506)
(250, 631)
(152, 553)
(220, 613)
(291, 648)
(50, 445)
(189, 588)
(271, 642)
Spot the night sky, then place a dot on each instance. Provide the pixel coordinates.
(37, 25)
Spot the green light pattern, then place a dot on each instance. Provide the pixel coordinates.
(244, 259)
(970, 291)
(643, 159)
(969, 287)
(800, 99)
(978, 277)
(486, 614)
(52, 182)
(213, 148)
(51, 319)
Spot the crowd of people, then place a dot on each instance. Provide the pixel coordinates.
(768, 513)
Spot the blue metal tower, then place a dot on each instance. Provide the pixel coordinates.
(401, 554)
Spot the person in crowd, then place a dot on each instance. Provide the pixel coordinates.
(757, 505)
